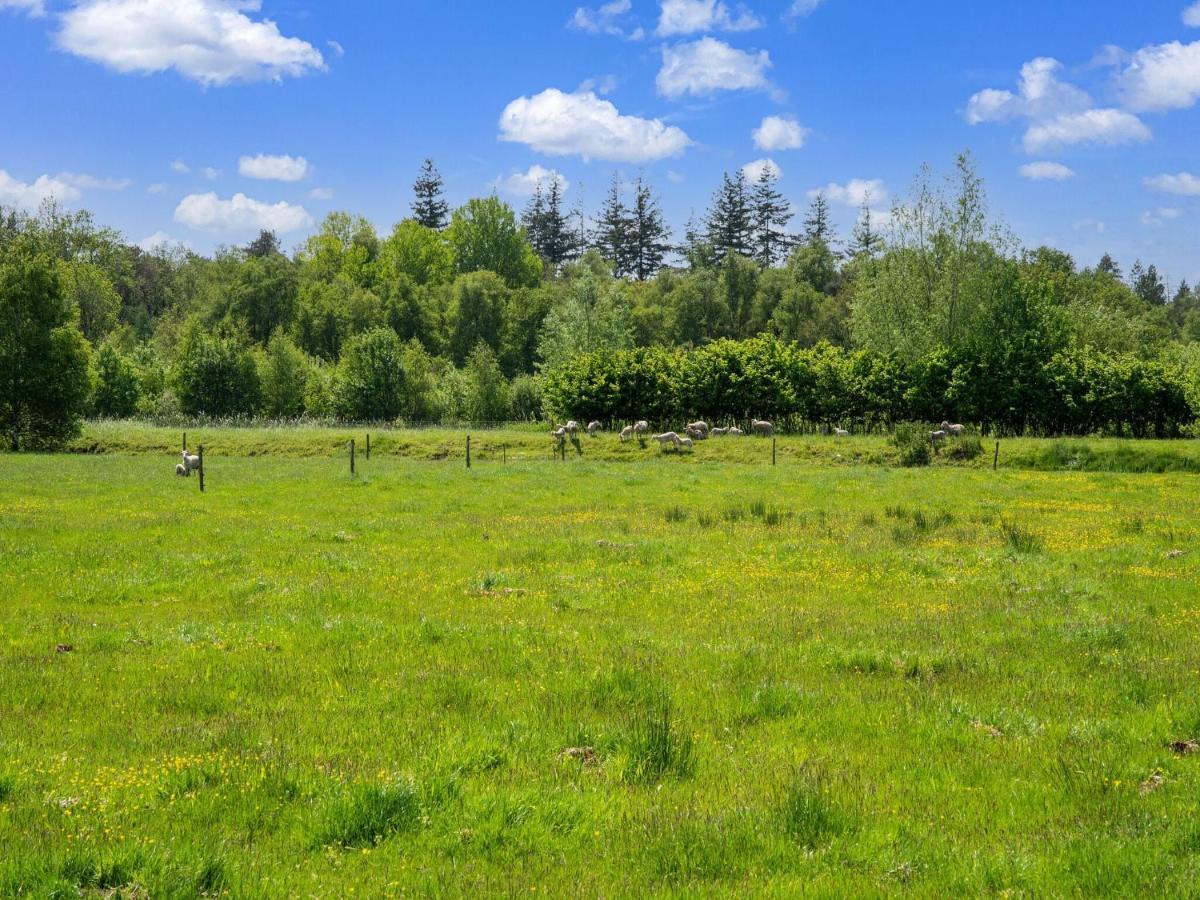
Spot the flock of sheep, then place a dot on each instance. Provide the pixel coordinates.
(947, 430)
(700, 431)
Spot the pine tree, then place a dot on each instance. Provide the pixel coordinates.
(550, 230)
(771, 213)
(695, 248)
(429, 205)
(730, 221)
(534, 218)
(266, 244)
(1108, 266)
(817, 227)
(650, 234)
(865, 241)
(614, 230)
(1148, 285)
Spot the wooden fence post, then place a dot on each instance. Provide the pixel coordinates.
(201, 454)
(996, 458)
(772, 451)
(185, 442)
(368, 445)
(504, 454)
(351, 456)
(468, 451)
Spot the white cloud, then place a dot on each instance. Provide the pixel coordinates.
(854, 192)
(321, 194)
(274, 168)
(1156, 218)
(1090, 225)
(800, 8)
(35, 8)
(1191, 15)
(31, 196)
(1161, 77)
(779, 133)
(91, 183)
(561, 124)
(691, 16)
(156, 241)
(1040, 95)
(523, 184)
(338, 50)
(1184, 184)
(1093, 126)
(213, 42)
(754, 170)
(608, 19)
(703, 67)
(180, 167)
(212, 173)
(156, 188)
(675, 177)
(240, 213)
(1046, 171)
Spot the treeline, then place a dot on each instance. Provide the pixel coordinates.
(468, 313)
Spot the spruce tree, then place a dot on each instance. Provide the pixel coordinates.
(865, 241)
(771, 213)
(429, 205)
(1108, 266)
(533, 218)
(730, 221)
(817, 227)
(614, 229)
(550, 230)
(649, 233)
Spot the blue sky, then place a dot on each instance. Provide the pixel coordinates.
(200, 120)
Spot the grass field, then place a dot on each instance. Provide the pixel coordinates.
(677, 677)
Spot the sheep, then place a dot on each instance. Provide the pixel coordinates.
(684, 442)
(698, 426)
(841, 432)
(696, 434)
(190, 464)
(626, 433)
(956, 430)
(181, 470)
(559, 433)
(593, 428)
(641, 428)
(734, 431)
(938, 436)
(720, 432)
(668, 437)
(765, 429)
(571, 428)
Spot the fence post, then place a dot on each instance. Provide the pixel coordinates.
(996, 458)
(468, 451)
(185, 442)
(368, 445)
(351, 456)
(772, 451)
(504, 454)
(201, 454)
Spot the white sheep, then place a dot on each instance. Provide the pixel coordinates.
(734, 431)
(181, 470)
(696, 434)
(937, 436)
(684, 442)
(956, 430)
(698, 426)
(191, 463)
(841, 432)
(559, 433)
(571, 428)
(626, 433)
(720, 432)
(641, 428)
(593, 428)
(765, 429)
(667, 437)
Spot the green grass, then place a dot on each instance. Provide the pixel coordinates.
(681, 677)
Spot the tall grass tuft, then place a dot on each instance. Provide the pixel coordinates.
(656, 747)
(1019, 538)
(368, 814)
(911, 439)
(809, 816)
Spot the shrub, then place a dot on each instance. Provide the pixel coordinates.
(117, 392)
(216, 376)
(911, 439)
(525, 399)
(370, 386)
(964, 448)
(284, 374)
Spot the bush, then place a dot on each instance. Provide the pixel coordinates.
(284, 373)
(525, 399)
(216, 376)
(117, 393)
(487, 397)
(964, 447)
(370, 385)
(911, 439)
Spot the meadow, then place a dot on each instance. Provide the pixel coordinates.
(630, 673)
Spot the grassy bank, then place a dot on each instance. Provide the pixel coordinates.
(594, 679)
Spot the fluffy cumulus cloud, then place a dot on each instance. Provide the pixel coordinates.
(240, 213)
(30, 195)
(692, 16)
(1047, 171)
(779, 133)
(274, 168)
(1161, 77)
(35, 8)
(801, 8)
(855, 192)
(1156, 218)
(92, 183)
(214, 42)
(1059, 114)
(754, 170)
(611, 19)
(1191, 15)
(157, 241)
(582, 124)
(1185, 184)
(179, 167)
(523, 184)
(703, 67)
(1093, 126)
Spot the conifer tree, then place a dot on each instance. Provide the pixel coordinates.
(429, 203)
(865, 241)
(614, 228)
(771, 213)
(817, 227)
(730, 221)
(649, 233)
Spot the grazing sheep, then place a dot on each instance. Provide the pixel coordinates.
(698, 426)
(641, 428)
(684, 442)
(734, 431)
(937, 436)
(559, 433)
(841, 432)
(626, 433)
(571, 428)
(956, 430)
(696, 434)
(759, 427)
(593, 429)
(668, 437)
(191, 463)
(720, 432)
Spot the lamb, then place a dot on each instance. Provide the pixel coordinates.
(593, 428)
(956, 430)
(720, 432)
(765, 429)
(626, 433)
(190, 464)
(559, 433)
(734, 431)
(937, 436)
(181, 470)
(641, 428)
(684, 442)
(841, 432)
(668, 437)
(696, 434)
